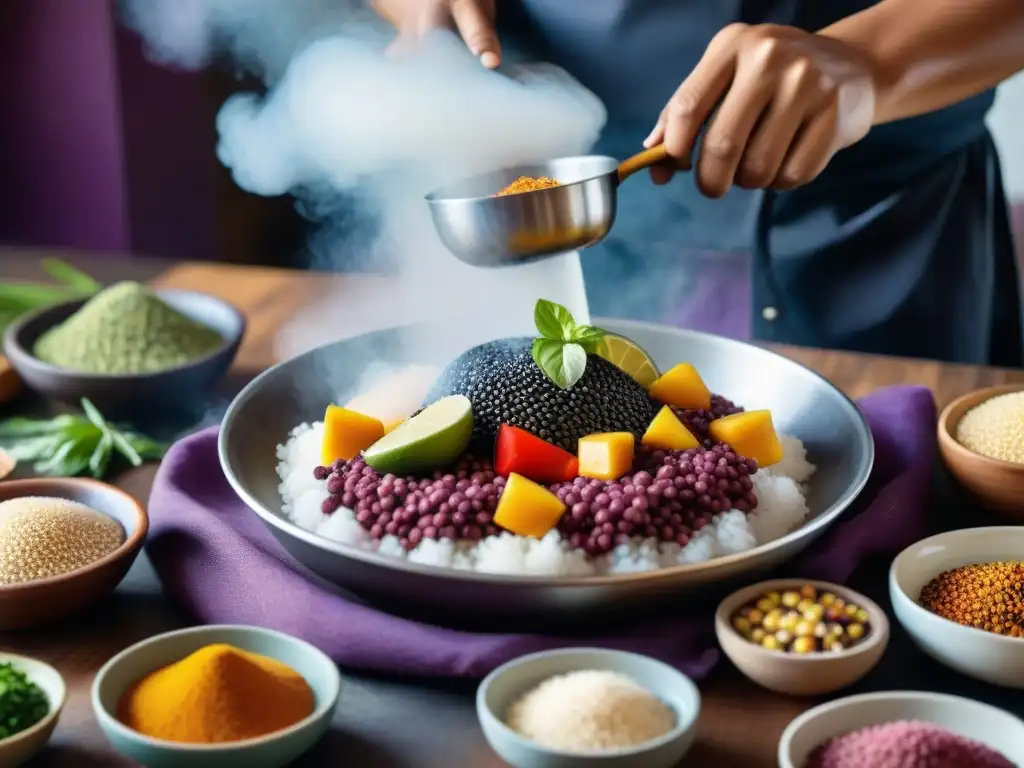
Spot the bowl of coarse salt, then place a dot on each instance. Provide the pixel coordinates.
(581, 707)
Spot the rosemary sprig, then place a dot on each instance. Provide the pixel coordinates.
(71, 445)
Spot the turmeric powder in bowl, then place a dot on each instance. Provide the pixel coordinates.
(217, 694)
(528, 184)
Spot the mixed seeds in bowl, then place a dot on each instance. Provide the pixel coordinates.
(802, 620)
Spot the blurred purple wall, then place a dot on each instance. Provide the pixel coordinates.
(99, 149)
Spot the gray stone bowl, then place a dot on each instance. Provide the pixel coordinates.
(507, 683)
(127, 395)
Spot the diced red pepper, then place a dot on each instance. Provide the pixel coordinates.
(516, 450)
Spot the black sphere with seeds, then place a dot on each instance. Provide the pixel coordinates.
(505, 386)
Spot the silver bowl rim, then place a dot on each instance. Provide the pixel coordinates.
(370, 557)
(437, 196)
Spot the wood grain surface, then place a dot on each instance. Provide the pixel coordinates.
(389, 723)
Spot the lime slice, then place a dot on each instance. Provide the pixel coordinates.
(430, 440)
(629, 357)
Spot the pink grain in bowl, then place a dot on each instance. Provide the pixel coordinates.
(905, 743)
(939, 725)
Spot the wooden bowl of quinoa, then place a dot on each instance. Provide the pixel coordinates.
(65, 568)
(981, 439)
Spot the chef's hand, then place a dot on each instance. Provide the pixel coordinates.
(784, 102)
(472, 19)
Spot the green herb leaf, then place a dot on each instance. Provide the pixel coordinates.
(553, 321)
(99, 460)
(70, 445)
(563, 363)
(146, 447)
(34, 448)
(123, 447)
(20, 427)
(70, 276)
(92, 413)
(588, 337)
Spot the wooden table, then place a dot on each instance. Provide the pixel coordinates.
(388, 723)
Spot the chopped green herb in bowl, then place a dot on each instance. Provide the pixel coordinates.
(22, 702)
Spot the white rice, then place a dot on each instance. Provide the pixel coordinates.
(781, 508)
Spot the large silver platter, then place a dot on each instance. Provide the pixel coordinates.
(803, 404)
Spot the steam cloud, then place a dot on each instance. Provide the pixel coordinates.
(344, 118)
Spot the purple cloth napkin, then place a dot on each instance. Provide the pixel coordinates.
(217, 559)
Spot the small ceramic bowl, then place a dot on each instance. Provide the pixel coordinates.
(508, 682)
(124, 394)
(39, 602)
(996, 659)
(971, 719)
(996, 484)
(797, 674)
(20, 747)
(271, 751)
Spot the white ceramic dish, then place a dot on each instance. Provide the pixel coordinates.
(983, 655)
(508, 682)
(21, 747)
(971, 719)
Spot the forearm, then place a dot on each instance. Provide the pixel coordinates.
(929, 54)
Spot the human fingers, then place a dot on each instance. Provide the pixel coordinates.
(810, 153)
(726, 138)
(686, 112)
(662, 173)
(477, 29)
(796, 96)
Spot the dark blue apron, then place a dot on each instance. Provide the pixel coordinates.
(901, 247)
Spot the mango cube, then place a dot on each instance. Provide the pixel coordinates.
(606, 456)
(346, 433)
(681, 387)
(751, 434)
(527, 508)
(668, 433)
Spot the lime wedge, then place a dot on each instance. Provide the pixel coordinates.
(629, 356)
(430, 440)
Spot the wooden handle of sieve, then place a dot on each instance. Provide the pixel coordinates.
(642, 160)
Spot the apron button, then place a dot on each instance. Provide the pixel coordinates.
(769, 313)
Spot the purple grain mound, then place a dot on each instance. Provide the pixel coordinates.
(905, 744)
(668, 496)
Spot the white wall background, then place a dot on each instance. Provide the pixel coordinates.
(1007, 123)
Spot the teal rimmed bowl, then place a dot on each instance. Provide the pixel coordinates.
(274, 750)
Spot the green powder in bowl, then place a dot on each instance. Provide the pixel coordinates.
(126, 329)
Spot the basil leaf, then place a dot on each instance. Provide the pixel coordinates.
(70, 276)
(553, 321)
(588, 337)
(563, 363)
